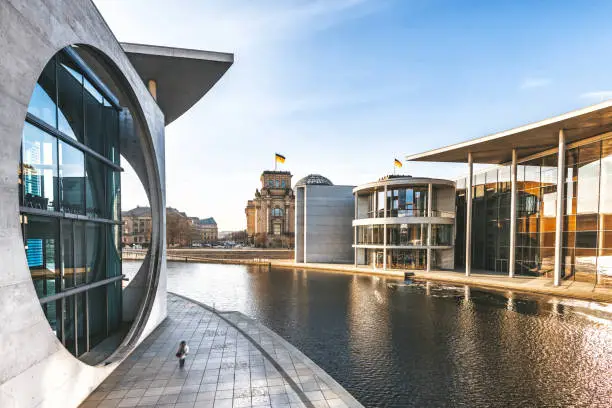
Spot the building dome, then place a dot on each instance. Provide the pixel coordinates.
(314, 180)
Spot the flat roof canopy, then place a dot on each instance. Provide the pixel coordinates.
(528, 139)
(183, 76)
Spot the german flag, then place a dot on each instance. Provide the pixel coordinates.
(279, 158)
(397, 163)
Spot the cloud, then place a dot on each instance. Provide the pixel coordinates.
(530, 83)
(598, 95)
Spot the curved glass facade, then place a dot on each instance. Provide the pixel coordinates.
(69, 197)
(400, 231)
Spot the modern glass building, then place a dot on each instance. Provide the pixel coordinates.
(546, 210)
(404, 222)
(69, 197)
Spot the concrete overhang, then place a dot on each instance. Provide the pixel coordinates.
(183, 76)
(528, 139)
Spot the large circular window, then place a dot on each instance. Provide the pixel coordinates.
(69, 196)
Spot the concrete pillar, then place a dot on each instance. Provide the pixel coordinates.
(468, 217)
(152, 85)
(356, 203)
(559, 215)
(256, 219)
(512, 255)
(355, 243)
(385, 231)
(429, 228)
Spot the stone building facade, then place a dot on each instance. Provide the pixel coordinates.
(206, 230)
(271, 214)
(137, 227)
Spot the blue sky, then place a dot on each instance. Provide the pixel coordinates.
(342, 87)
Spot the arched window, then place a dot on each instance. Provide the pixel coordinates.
(277, 183)
(277, 212)
(283, 185)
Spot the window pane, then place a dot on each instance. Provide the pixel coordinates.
(42, 252)
(96, 254)
(97, 315)
(42, 104)
(442, 235)
(95, 187)
(69, 324)
(53, 313)
(39, 151)
(70, 119)
(68, 253)
(80, 253)
(113, 194)
(605, 196)
(114, 306)
(113, 266)
(588, 187)
(94, 129)
(72, 179)
(111, 133)
(81, 330)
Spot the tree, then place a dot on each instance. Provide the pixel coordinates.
(178, 229)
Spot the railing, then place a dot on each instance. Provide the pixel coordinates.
(408, 213)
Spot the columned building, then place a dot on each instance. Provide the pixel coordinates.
(404, 222)
(74, 100)
(271, 214)
(546, 209)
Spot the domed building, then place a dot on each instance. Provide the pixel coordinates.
(314, 180)
(323, 216)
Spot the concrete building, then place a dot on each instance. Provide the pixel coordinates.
(404, 222)
(546, 208)
(323, 215)
(271, 214)
(73, 99)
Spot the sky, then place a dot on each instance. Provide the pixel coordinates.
(343, 87)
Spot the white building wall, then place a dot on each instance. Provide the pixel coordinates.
(328, 231)
(299, 224)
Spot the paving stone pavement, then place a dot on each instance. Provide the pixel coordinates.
(233, 362)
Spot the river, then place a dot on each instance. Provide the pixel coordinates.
(423, 344)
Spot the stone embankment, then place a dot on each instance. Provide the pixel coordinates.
(248, 256)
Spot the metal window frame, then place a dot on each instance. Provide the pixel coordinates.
(79, 289)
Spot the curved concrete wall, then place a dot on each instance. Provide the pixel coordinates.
(35, 369)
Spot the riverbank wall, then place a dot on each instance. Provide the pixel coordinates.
(484, 279)
(248, 256)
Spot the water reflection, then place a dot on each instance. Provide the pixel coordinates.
(393, 344)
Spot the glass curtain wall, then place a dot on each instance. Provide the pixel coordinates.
(69, 198)
(587, 215)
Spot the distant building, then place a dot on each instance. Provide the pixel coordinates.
(271, 214)
(324, 213)
(181, 229)
(137, 227)
(207, 230)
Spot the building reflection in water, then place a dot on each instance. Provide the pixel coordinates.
(425, 344)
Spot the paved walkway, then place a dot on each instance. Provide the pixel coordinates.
(233, 362)
(542, 285)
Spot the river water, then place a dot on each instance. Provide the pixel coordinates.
(423, 344)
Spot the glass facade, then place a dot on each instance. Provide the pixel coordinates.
(587, 215)
(403, 242)
(69, 195)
